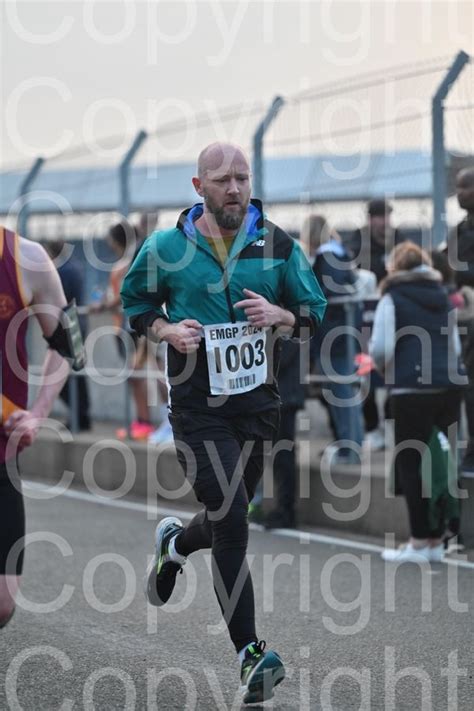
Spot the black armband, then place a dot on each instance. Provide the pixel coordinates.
(305, 323)
(142, 322)
(67, 338)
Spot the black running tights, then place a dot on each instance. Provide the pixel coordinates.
(223, 459)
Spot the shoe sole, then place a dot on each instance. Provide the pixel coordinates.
(269, 674)
(409, 559)
(149, 581)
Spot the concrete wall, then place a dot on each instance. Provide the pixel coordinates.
(348, 500)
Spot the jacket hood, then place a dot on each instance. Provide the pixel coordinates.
(254, 220)
(334, 247)
(423, 285)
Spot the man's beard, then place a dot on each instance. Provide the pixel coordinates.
(226, 220)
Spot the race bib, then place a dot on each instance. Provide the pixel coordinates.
(236, 357)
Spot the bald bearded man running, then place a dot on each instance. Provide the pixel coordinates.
(232, 283)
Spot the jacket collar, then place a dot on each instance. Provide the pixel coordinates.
(411, 276)
(333, 246)
(252, 226)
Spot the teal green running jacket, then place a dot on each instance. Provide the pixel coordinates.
(176, 276)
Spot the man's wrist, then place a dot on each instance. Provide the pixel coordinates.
(38, 410)
(287, 318)
(160, 328)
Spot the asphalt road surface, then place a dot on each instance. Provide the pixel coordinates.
(352, 634)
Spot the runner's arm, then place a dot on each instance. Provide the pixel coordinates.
(144, 291)
(302, 295)
(383, 339)
(261, 313)
(42, 284)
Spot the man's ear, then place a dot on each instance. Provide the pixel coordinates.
(197, 186)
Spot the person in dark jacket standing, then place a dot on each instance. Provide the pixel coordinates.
(231, 280)
(460, 251)
(415, 345)
(291, 384)
(334, 270)
(370, 247)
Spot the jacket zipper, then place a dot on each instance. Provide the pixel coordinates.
(228, 297)
(227, 294)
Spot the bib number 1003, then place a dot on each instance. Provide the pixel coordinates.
(247, 355)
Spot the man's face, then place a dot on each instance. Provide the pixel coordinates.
(465, 190)
(225, 187)
(379, 225)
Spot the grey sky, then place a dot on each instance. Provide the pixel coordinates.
(168, 59)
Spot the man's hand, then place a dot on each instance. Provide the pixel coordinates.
(262, 313)
(23, 427)
(184, 336)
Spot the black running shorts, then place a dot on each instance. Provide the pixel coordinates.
(12, 519)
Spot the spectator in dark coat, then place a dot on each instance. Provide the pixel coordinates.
(413, 315)
(370, 247)
(291, 384)
(460, 251)
(335, 272)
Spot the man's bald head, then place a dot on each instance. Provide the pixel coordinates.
(220, 158)
(223, 181)
(465, 189)
(466, 176)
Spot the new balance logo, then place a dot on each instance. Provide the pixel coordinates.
(260, 243)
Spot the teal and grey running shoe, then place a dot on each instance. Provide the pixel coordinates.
(255, 514)
(261, 672)
(161, 573)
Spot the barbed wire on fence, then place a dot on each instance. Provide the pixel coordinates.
(202, 119)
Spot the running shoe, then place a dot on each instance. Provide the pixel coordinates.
(280, 519)
(261, 671)
(255, 514)
(140, 431)
(436, 553)
(161, 573)
(375, 440)
(162, 435)
(408, 554)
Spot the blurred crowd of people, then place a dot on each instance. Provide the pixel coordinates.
(419, 307)
(124, 241)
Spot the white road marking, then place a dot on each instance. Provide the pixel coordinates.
(302, 536)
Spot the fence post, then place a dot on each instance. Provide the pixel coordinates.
(23, 214)
(258, 181)
(438, 149)
(124, 172)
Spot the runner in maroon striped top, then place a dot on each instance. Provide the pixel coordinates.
(28, 282)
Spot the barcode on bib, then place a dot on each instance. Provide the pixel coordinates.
(241, 382)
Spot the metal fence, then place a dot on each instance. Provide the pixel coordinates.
(425, 106)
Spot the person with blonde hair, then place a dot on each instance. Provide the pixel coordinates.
(415, 345)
